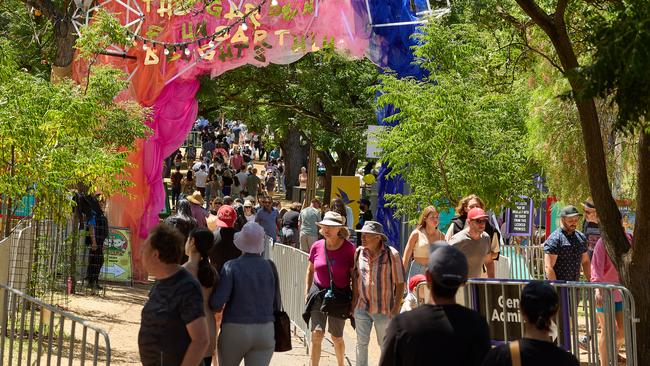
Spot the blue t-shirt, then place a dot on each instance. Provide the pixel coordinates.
(268, 221)
(569, 249)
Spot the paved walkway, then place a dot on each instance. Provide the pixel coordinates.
(118, 312)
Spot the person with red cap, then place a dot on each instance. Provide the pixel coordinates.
(474, 242)
(224, 247)
(411, 299)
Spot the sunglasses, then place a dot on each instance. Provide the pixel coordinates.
(481, 222)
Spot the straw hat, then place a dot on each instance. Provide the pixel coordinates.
(250, 239)
(332, 218)
(196, 198)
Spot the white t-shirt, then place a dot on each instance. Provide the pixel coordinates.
(200, 178)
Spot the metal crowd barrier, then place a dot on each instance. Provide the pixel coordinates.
(193, 137)
(526, 262)
(579, 331)
(292, 265)
(33, 332)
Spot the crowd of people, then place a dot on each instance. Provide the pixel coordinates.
(226, 283)
(215, 295)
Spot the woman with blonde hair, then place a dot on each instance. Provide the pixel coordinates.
(416, 253)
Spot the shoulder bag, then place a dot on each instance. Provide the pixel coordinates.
(337, 301)
(282, 323)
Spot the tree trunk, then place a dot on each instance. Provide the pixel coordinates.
(634, 266)
(293, 159)
(635, 269)
(345, 165)
(65, 38)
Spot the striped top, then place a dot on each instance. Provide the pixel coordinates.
(376, 279)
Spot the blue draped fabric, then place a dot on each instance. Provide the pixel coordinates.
(391, 47)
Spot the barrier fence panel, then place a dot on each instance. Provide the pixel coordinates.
(292, 265)
(526, 262)
(582, 330)
(33, 332)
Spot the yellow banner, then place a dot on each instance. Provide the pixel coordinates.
(348, 189)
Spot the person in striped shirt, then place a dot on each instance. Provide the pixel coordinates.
(377, 286)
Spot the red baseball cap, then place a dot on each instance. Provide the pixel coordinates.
(226, 216)
(476, 213)
(415, 280)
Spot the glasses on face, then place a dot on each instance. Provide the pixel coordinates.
(433, 217)
(481, 221)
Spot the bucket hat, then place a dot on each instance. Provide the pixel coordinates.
(250, 239)
(332, 218)
(373, 227)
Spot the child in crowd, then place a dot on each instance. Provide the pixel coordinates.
(411, 299)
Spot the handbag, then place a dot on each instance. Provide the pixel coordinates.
(282, 323)
(336, 301)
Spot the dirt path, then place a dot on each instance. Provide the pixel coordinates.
(118, 312)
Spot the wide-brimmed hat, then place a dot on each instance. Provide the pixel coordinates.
(196, 198)
(373, 227)
(250, 239)
(332, 218)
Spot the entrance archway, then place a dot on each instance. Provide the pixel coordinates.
(172, 46)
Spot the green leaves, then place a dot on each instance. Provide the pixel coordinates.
(62, 138)
(456, 135)
(104, 31)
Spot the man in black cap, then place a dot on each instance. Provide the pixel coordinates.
(443, 332)
(565, 250)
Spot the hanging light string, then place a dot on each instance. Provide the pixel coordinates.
(210, 38)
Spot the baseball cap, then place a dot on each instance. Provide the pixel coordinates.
(476, 213)
(447, 265)
(569, 211)
(226, 216)
(539, 297)
(415, 280)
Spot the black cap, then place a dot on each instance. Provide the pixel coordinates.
(569, 211)
(447, 265)
(539, 298)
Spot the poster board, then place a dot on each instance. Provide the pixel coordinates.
(117, 249)
(520, 218)
(348, 188)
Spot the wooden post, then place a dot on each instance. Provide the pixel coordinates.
(310, 193)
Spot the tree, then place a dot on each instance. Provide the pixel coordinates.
(55, 137)
(599, 47)
(325, 97)
(456, 134)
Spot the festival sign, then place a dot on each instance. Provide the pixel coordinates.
(117, 248)
(520, 218)
(348, 189)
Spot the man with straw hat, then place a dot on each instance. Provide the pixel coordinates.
(198, 212)
(377, 286)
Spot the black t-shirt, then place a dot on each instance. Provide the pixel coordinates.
(438, 335)
(224, 248)
(290, 219)
(533, 353)
(173, 303)
(227, 181)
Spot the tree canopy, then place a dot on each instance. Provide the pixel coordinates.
(457, 134)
